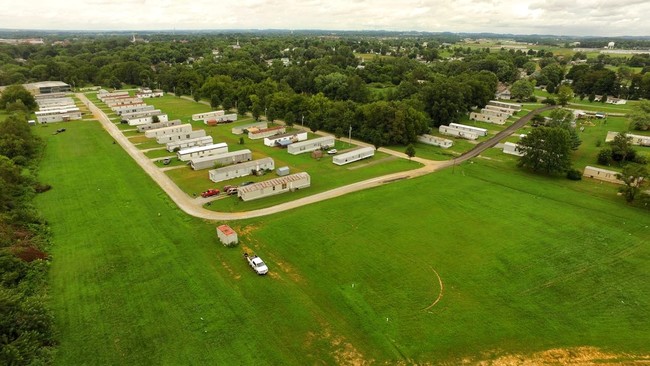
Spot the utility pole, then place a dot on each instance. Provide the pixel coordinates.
(302, 122)
(350, 136)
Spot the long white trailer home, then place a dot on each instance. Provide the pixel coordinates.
(452, 131)
(154, 125)
(165, 139)
(266, 132)
(512, 149)
(58, 115)
(238, 130)
(275, 186)
(494, 112)
(241, 169)
(201, 151)
(146, 120)
(474, 116)
(118, 94)
(207, 115)
(55, 107)
(601, 174)
(227, 158)
(311, 145)
(130, 108)
(354, 155)
(44, 103)
(184, 144)
(145, 112)
(435, 141)
(477, 130)
(170, 130)
(498, 109)
(512, 106)
(122, 101)
(221, 119)
(636, 139)
(285, 139)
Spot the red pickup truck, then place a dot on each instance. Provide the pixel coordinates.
(210, 193)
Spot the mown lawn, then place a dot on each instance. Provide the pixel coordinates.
(527, 263)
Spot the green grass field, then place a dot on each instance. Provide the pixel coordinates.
(527, 263)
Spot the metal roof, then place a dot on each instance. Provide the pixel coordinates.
(274, 182)
(202, 148)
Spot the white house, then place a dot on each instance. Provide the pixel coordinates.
(285, 139)
(274, 186)
(266, 132)
(207, 115)
(165, 139)
(451, 131)
(184, 144)
(353, 155)
(477, 130)
(601, 174)
(435, 141)
(241, 169)
(222, 159)
(238, 130)
(201, 151)
(170, 130)
(311, 145)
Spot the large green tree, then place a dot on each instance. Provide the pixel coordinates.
(640, 116)
(522, 89)
(635, 178)
(14, 93)
(546, 149)
(564, 95)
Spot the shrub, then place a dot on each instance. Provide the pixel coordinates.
(550, 101)
(640, 159)
(40, 188)
(573, 174)
(605, 156)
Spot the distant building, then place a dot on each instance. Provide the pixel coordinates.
(47, 87)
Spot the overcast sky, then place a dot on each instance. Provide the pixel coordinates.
(559, 17)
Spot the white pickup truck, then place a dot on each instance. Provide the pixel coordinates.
(257, 264)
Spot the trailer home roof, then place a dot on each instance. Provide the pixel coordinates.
(274, 182)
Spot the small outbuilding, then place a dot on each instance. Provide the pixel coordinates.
(282, 171)
(227, 235)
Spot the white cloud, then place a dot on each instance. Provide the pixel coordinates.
(579, 17)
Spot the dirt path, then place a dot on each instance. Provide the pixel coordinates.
(193, 207)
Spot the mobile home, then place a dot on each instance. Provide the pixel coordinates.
(435, 141)
(148, 112)
(477, 130)
(207, 115)
(170, 130)
(602, 174)
(285, 139)
(227, 158)
(238, 130)
(512, 106)
(221, 119)
(58, 115)
(122, 101)
(201, 151)
(474, 116)
(165, 139)
(266, 132)
(451, 131)
(241, 169)
(274, 186)
(311, 145)
(146, 120)
(130, 108)
(153, 126)
(512, 149)
(354, 155)
(184, 144)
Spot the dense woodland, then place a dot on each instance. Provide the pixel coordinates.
(405, 86)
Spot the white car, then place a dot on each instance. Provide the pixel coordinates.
(332, 152)
(257, 264)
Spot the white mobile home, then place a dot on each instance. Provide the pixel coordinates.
(153, 126)
(184, 144)
(477, 130)
(451, 131)
(148, 93)
(221, 119)
(285, 139)
(130, 108)
(266, 132)
(512, 149)
(601, 174)
(148, 112)
(275, 186)
(146, 120)
(207, 115)
(494, 112)
(241, 169)
(435, 141)
(512, 106)
(55, 107)
(354, 155)
(52, 102)
(201, 151)
(165, 139)
(122, 101)
(227, 158)
(311, 145)
(474, 116)
(58, 115)
(170, 130)
(238, 130)
(118, 94)
(499, 109)
(636, 139)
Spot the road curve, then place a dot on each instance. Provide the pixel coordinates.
(194, 207)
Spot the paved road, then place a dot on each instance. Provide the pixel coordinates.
(194, 206)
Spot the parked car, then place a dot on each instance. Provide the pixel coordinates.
(210, 193)
(166, 161)
(226, 188)
(332, 152)
(231, 191)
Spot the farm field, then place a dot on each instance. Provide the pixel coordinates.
(465, 264)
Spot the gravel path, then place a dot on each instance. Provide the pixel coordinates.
(193, 206)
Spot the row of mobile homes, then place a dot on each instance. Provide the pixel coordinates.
(54, 102)
(477, 130)
(635, 139)
(512, 106)
(285, 139)
(146, 120)
(201, 151)
(238, 130)
(354, 155)
(39, 97)
(275, 186)
(58, 115)
(255, 134)
(148, 93)
(170, 130)
(451, 131)
(226, 118)
(207, 115)
(241, 169)
(512, 149)
(165, 139)
(311, 145)
(106, 95)
(602, 174)
(145, 112)
(122, 101)
(474, 116)
(154, 125)
(218, 160)
(132, 107)
(184, 144)
(435, 141)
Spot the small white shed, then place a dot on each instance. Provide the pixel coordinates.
(227, 235)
